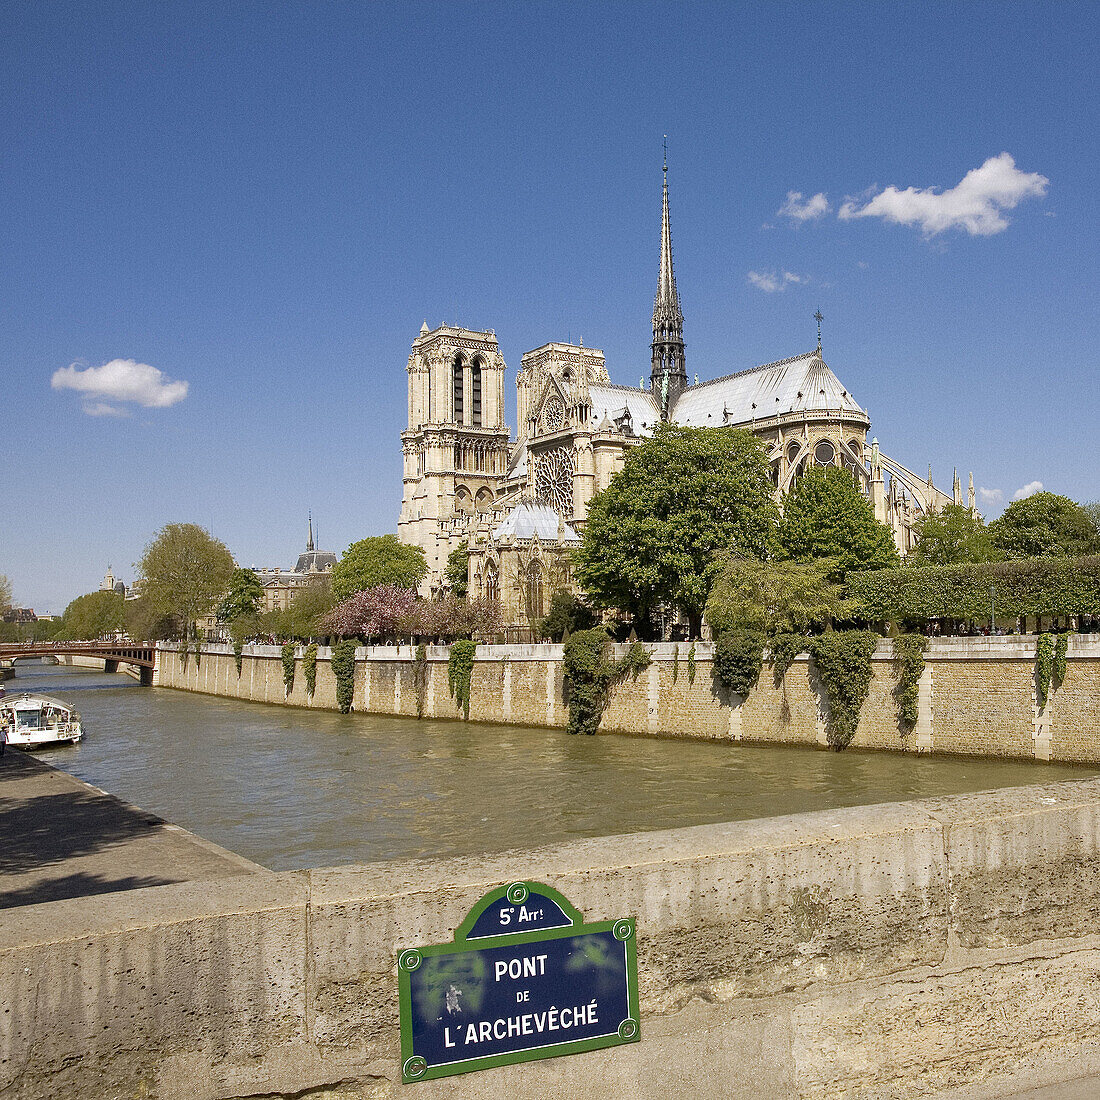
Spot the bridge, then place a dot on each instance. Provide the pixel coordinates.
(143, 657)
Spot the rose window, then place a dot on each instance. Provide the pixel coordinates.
(554, 480)
(553, 415)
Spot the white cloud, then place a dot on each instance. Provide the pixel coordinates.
(120, 380)
(974, 204)
(991, 496)
(803, 210)
(771, 281)
(1028, 490)
(101, 408)
(862, 265)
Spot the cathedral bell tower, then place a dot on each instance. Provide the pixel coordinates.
(669, 373)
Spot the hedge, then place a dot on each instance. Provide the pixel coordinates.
(1036, 586)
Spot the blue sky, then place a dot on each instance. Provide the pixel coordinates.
(264, 201)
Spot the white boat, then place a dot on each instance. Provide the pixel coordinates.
(36, 721)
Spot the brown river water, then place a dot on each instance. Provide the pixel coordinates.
(292, 788)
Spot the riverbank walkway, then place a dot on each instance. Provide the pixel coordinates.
(63, 838)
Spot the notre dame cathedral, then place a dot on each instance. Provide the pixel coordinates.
(518, 503)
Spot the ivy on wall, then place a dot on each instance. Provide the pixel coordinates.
(908, 667)
(738, 659)
(691, 665)
(1044, 667)
(343, 668)
(288, 667)
(843, 662)
(675, 663)
(1061, 645)
(460, 668)
(309, 668)
(238, 655)
(590, 674)
(783, 648)
(420, 678)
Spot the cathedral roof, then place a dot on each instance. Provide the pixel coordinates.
(666, 302)
(612, 401)
(802, 383)
(315, 561)
(525, 521)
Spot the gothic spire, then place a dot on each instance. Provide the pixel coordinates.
(309, 545)
(669, 374)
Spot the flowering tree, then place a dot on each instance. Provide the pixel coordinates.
(451, 617)
(379, 612)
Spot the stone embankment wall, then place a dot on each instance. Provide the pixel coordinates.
(977, 696)
(892, 950)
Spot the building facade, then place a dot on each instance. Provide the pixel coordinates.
(518, 504)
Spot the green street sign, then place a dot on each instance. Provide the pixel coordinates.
(525, 978)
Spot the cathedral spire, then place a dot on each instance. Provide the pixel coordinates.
(669, 373)
(309, 544)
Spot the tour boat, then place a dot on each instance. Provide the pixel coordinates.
(37, 721)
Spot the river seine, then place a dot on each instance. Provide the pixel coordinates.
(292, 788)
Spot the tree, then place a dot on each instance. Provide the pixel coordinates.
(1045, 525)
(774, 598)
(1093, 510)
(142, 622)
(186, 573)
(308, 607)
(5, 593)
(658, 533)
(245, 595)
(457, 572)
(378, 560)
(567, 615)
(378, 612)
(93, 615)
(826, 516)
(952, 536)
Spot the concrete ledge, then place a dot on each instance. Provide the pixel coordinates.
(888, 950)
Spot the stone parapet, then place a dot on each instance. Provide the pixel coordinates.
(893, 950)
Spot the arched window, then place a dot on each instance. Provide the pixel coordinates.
(824, 453)
(456, 375)
(535, 609)
(491, 590)
(475, 394)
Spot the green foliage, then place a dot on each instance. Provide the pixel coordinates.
(691, 665)
(683, 498)
(1092, 510)
(288, 667)
(774, 597)
(457, 573)
(738, 658)
(568, 614)
(245, 595)
(92, 616)
(909, 667)
(1044, 667)
(374, 561)
(343, 668)
(783, 648)
(826, 517)
(590, 674)
(460, 668)
(675, 663)
(142, 622)
(420, 678)
(186, 573)
(1061, 645)
(1042, 586)
(1045, 525)
(843, 662)
(309, 668)
(952, 536)
(5, 593)
(238, 655)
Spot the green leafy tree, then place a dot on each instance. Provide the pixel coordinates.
(826, 517)
(1045, 525)
(1093, 511)
(143, 623)
(774, 597)
(381, 559)
(658, 533)
(94, 615)
(5, 593)
(186, 573)
(566, 616)
(457, 573)
(245, 596)
(952, 536)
